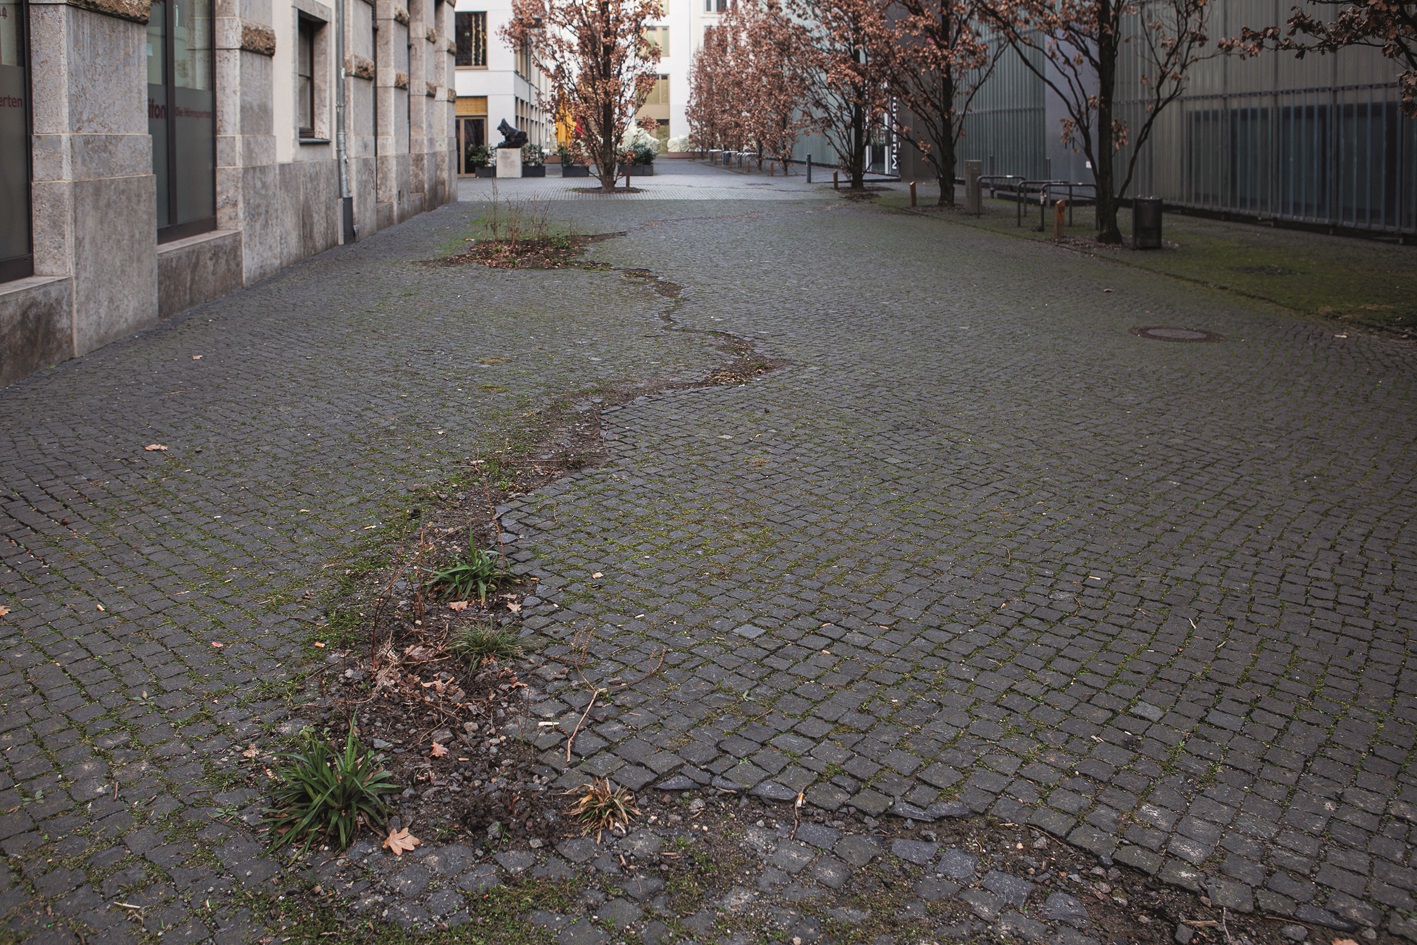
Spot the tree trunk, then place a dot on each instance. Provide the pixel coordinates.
(945, 149)
(1103, 161)
(858, 148)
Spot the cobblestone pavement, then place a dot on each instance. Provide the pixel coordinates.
(978, 547)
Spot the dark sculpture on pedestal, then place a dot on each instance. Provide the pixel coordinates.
(511, 137)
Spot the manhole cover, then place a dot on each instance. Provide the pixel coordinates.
(1184, 335)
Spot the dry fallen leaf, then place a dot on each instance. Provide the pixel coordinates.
(218, 645)
(1344, 941)
(438, 750)
(155, 448)
(597, 575)
(514, 607)
(458, 605)
(400, 841)
(4, 611)
(196, 357)
(250, 752)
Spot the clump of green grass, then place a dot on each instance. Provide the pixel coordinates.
(327, 794)
(476, 573)
(479, 642)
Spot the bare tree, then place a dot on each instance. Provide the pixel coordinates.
(1387, 25)
(1079, 42)
(939, 59)
(847, 67)
(600, 65)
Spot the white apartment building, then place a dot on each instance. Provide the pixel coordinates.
(494, 82)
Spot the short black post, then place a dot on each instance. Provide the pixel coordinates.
(809, 168)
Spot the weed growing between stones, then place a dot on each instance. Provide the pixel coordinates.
(475, 573)
(600, 806)
(327, 794)
(477, 643)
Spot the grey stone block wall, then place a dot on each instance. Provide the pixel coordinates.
(94, 190)
(35, 326)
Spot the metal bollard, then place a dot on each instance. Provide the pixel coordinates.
(836, 180)
(809, 168)
(912, 195)
(1058, 209)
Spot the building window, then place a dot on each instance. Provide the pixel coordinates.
(182, 116)
(15, 253)
(305, 76)
(658, 37)
(471, 32)
(658, 94)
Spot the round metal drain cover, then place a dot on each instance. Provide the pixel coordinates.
(1182, 335)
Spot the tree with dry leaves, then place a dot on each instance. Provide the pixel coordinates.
(708, 72)
(939, 59)
(770, 79)
(1326, 26)
(599, 63)
(1073, 46)
(847, 69)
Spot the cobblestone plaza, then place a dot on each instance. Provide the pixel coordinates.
(981, 545)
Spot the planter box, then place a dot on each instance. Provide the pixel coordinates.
(488, 171)
(636, 170)
(575, 170)
(533, 170)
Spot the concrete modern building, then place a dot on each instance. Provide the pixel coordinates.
(1317, 141)
(155, 154)
(494, 82)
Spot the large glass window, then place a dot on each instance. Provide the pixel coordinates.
(471, 32)
(182, 116)
(15, 258)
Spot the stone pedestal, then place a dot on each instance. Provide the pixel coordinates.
(509, 162)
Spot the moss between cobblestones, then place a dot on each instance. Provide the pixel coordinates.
(497, 917)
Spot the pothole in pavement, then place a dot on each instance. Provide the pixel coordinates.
(1180, 335)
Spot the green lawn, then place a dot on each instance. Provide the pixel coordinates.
(1356, 281)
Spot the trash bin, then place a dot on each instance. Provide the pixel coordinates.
(1146, 223)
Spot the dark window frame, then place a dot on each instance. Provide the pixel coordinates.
(167, 233)
(307, 31)
(473, 53)
(22, 267)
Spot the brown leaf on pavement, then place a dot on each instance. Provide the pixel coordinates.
(438, 750)
(400, 841)
(155, 448)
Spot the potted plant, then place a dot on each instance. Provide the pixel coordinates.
(480, 158)
(638, 160)
(637, 150)
(533, 160)
(573, 162)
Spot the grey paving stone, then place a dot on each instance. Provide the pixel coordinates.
(957, 865)
(858, 851)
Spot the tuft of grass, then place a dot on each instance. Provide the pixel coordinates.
(477, 573)
(325, 793)
(478, 642)
(600, 806)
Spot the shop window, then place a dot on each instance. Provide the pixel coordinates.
(182, 116)
(15, 253)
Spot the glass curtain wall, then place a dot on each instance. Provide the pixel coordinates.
(182, 116)
(15, 253)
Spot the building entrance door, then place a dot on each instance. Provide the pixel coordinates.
(472, 133)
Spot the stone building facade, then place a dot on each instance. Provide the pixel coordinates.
(155, 154)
